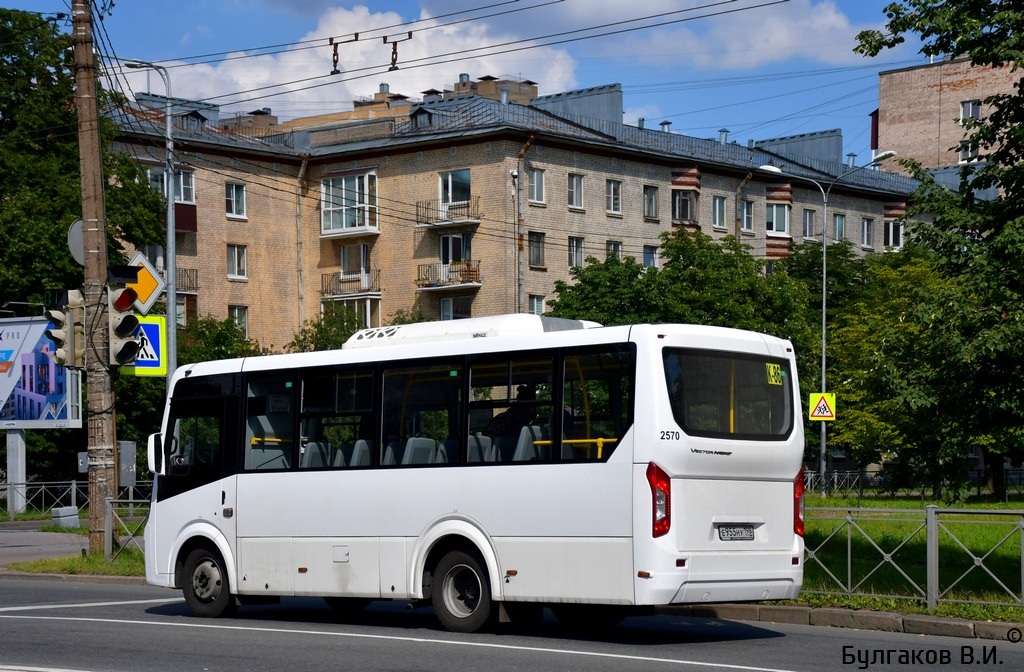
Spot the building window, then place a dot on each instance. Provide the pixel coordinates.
(747, 216)
(777, 218)
(455, 186)
(237, 262)
(536, 248)
(535, 185)
(184, 184)
(682, 205)
(893, 236)
(348, 202)
(970, 110)
(839, 227)
(718, 212)
(455, 247)
(575, 190)
(650, 256)
(613, 196)
(867, 226)
(536, 304)
(968, 151)
(234, 197)
(613, 248)
(808, 223)
(650, 202)
(240, 314)
(457, 308)
(575, 251)
(355, 260)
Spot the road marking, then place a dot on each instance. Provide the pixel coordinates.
(22, 668)
(394, 638)
(86, 604)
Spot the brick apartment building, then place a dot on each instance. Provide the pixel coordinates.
(471, 202)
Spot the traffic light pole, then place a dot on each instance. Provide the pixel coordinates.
(100, 397)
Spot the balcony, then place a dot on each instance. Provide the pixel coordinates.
(458, 274)
(186, 279)
(436, 213)
(335, 285)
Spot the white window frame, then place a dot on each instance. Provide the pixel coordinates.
(613, 248)
(747, 216)
(536, 304)
(867, 229)
(184, 184)
(650, 201)
(240, 314)
(613, 197)
(354, 260)
(535, 185)
(454, 247)
(968, 151)
(893, 234)
(838, 226)
(348, 202)
(718, 212)
(238, 262)
(650, 256)
(451, 184)
(970, 110)
(575, 257)
(682, 205)
(575, 190)
(808, 223)
(234, 200)
(772, 212)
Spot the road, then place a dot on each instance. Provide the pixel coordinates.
(56, 625)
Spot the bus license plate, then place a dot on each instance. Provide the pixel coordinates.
(736, 532)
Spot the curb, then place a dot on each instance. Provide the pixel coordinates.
(857, 619)
(72, 578)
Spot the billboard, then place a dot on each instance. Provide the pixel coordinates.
(35, 392)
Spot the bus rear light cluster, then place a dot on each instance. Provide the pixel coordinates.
(798, 504)
(661, 500)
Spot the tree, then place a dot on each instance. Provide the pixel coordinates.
(40, 193)
(977, 243)
(330, 332)
(206, 338)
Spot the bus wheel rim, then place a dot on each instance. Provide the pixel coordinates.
(461, 591)
(206, 581)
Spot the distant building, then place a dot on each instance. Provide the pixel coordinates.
(470, 202)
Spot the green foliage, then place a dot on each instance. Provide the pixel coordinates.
(402, 316)
(206, 338)
(330, 332)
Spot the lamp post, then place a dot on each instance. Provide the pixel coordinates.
(170, 253)
(825, 191)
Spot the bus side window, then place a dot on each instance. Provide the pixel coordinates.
(270, 430)
(596, 390)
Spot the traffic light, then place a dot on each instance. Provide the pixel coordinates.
(76, 317)
(123, 323)
(62, 333)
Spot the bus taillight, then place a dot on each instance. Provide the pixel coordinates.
(798, 504)
(661, 496)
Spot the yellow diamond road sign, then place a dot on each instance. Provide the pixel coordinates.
(149, 284)
(822, 406)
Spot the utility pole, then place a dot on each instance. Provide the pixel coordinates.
(100, 397)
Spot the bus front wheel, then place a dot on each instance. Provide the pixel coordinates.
(461, 593)
(205, 584)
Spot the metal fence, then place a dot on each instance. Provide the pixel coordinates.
(859, 484)
(123, 523)
(41, 497)
(936, 555)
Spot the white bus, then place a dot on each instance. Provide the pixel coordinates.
(490, 467)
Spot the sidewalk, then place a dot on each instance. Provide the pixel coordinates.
(22, 541)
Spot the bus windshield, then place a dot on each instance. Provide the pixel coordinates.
(729, 395)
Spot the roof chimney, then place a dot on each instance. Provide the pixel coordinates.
(504, 94)
(851, 160)
(665, 125)
(464, 78)
(384, 88)
(640, 122)
(723, 136)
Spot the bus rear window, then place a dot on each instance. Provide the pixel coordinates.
(729, 395)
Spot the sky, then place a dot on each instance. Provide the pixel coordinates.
(759, 68)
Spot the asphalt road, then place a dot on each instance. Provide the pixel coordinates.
(55, 625)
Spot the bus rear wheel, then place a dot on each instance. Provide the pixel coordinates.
(205, 584)
(461, 593)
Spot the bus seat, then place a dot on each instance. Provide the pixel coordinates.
(393, 452)
(478, 449)
(342, 455)
(267, 457)
(419, 450)
(526, 450)
(504, 447)
(315, 455)
(360, 454)
(444, 449)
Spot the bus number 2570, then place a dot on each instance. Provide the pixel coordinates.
(670, 435)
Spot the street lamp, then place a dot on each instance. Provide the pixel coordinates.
(825, 191)
(170, 254)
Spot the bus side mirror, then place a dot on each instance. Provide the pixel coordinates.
(155, 454)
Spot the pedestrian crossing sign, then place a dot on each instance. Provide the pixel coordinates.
(822, 406)
(152, 357)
